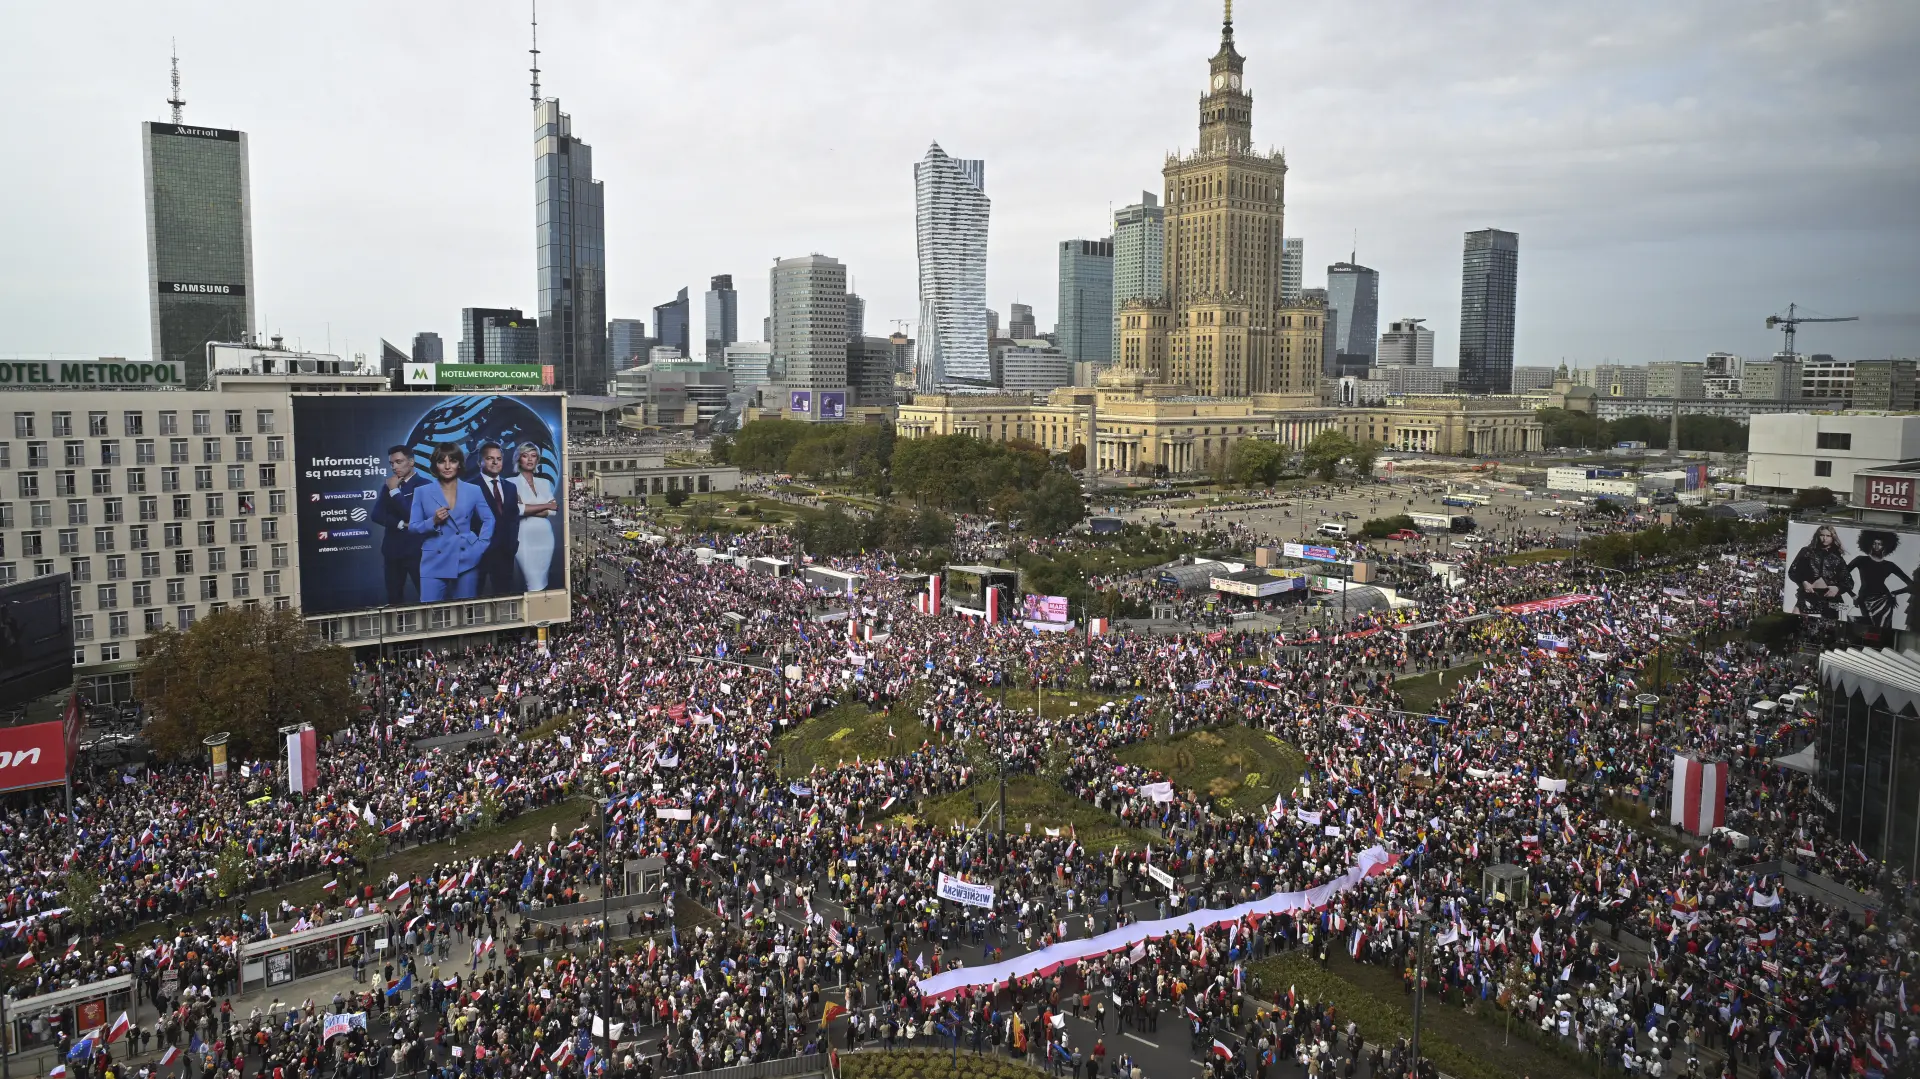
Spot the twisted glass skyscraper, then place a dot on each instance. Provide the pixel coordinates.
(950, 227)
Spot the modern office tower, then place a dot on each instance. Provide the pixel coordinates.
(1216, 319)
(1293, 268)
(1776, 379)
(1020, 323)
(570, 234)
(870, 371)
(1684, 379)
(902, 352)
(1139, 252)
(1405, 344)
(473, 321)
(1886, 385)
(393, 360)
(672, 322)
(1526, 379)
(1032, 369)
(627, 343)
(1822, 376)
(518, 341)
(856, 317)
(950, 239)
(1489, 277)
(723, 316)
(428, 348)
(1086, 301)
(199, 240)
(747, 362)
(808, 301)
(1354, 291)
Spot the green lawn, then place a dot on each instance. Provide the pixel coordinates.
(1036, 801)
(1424, 692)
(847, 732)
(1239, 766)
(1528, 558)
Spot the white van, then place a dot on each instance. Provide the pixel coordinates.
(1334, 529)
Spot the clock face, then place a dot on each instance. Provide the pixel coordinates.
(1233, 81)
(1219, 81)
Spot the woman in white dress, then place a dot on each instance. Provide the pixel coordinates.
(537, 509)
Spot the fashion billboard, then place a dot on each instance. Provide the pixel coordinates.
(421, 498)
(1852, 574)
(36, 638)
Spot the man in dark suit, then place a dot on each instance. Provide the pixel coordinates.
(496, 566)
(393, 505)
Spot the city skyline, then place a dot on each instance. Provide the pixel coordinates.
(1627, 151)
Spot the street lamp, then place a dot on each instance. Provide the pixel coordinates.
(1419, 977)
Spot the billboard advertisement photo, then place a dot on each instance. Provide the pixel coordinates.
(422, 498)
(1043, 608)
(1852, 574)
(36, 638)
(833, 404)
(800, 402)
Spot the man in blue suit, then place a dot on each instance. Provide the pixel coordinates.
(458, 524)
(392, 509)
(497, 566)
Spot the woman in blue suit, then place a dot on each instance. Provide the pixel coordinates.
(457, 523)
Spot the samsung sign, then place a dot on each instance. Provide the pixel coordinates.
(101, 373)
(200, 288)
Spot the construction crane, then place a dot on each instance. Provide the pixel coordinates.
(1790, 322)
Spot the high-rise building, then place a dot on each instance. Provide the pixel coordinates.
(672, 322)
(393, 360)
(747, 362)
(1886, 385)
(1020, 323)
(518, 341)
(1293, 268)
(1614, 380)
(1405, 344)
(1776, 379)
(1353, 290)
(902, 352)
(808, 301)
(856, 317)
(1528, 379)
(570, 234)
(627, 343)
(1329, 367)
(1213, 330)
(1489, 278)
(1684, 379)
(1033, 369)
(199, 240)
(473, 322)
(870, 370)
(428, 348)
(1139, 253)
(723, 316)
(950, 238)
(1086, 301)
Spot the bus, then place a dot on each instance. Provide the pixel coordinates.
(1460, 499)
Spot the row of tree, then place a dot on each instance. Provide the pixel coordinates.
(1692, 530)
(1578, 430)
(835, 533)
(859, 452)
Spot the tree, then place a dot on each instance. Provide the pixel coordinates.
(677, 497)
(1077, 457)
(1362, 458)
(1381, 527)
(247, 671)
(1253, 462)
(1813, 498)
(1055, 505)
(1324, 454)
(82, 898)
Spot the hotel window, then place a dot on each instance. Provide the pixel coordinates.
(183, 561)
(236, 531)
(209, 588)
(150, 564)
(152, 620)
(204, 531)
(270, 583)
(217, 560)
(1833, 440)
(269, 475)
(149, 508)
(244, 503)
(69, 541)
(102, 481)
(62, 424)
(183, 618)
(277, 502)
(6, 515)
(173, 535)
(42, 513)
(97, 424)
(1823, 468)
(136, 480)
(143, 451)
(182, 506)
(169, 479)
(279, 553)
(64, 484)
(169, 422)
(216, 505)
(43, 567)
(143, 593)
(240, 586)
(249, 557)
(233, 421)
(276, 449)
(177, 451)
(135, 423)
(116, 627)
(23, 425)
(39, 455)
(110, 452)
(269, 529)
(202, 421)
(176, 591)
(81, 568)
(117, 567)
(103, 539)
(9, 573)
(210, 449)
(243, 449)
(236, 477)
(203, 477)
(29, 485)
(77, 512)
(107, 596)
(6, 455)
(83, 627)
(263, 420)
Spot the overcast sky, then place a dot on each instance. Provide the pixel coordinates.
(1676, 171)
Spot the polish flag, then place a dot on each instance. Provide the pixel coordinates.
(172, 1054)
(1220, 1050)
(26, 961)
(402, 892)
(119, 1029)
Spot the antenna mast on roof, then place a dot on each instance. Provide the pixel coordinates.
(536, 53)
(176, 101)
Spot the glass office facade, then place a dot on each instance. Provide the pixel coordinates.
(1869, 754)
(1489, 276)
(571, 238)
(199, 242)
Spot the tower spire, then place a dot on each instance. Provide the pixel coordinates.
(1226, 23)
(536, 51)
(176, 100)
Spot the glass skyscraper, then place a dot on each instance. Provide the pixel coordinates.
(672, 323)
(1489, 277)
(199, 241)
(1293, 268)
(570, 232)
(723, 317)
(950, 234)
(1086, 300)
(1353, 291)
(1139, 251)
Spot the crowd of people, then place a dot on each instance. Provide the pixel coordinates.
(790, 896)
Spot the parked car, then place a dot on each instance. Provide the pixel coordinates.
(1405, 534)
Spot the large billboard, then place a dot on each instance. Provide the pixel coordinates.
(1852, 574)
(1036, 608)
(36, 638)
(422, 498)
